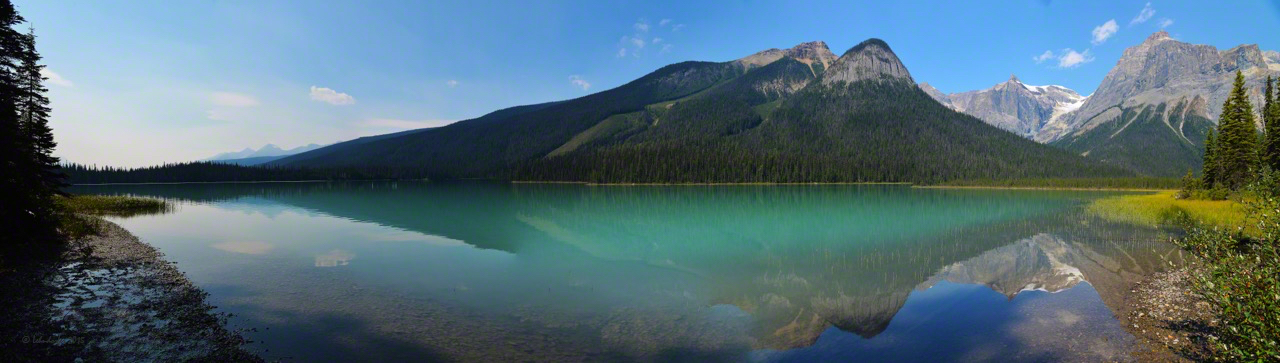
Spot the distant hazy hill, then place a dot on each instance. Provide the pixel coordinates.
(796, 115)
(267, 150)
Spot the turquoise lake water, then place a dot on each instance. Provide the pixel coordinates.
(495, 271)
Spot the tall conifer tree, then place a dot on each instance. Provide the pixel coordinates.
(1237, 137)
(15, 196)
(33, 108)
(1271, 118)
(1209, 172)
(1270, 129)
(29, 177)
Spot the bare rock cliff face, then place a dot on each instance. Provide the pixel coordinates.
(1162, 70)
(1012, 105)
(870, 60)
(815, 54)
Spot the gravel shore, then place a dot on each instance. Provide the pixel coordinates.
(1171, 322)
(111, 298)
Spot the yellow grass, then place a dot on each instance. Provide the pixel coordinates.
(1161, 208)
(119, 206)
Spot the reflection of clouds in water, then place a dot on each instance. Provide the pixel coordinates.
(334, 258)
(400, 235)
(257, 206)
(245, 247)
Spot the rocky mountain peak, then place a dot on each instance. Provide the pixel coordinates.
(1163, 70)
(1158, 37)
(870, 60)
(1243, 57)
(807, 53)
(810, 52)
(1014, 78)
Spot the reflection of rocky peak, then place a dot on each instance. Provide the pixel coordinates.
(1036, 263)
(866, 316)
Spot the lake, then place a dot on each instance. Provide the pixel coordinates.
(501, 272)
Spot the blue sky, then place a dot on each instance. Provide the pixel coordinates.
(144, 82)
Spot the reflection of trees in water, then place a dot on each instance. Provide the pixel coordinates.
(796, 258)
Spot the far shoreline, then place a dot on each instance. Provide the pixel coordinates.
(592, 184)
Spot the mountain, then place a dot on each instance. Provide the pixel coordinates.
(795, 115)
(1012, 105)
(251, 161)
(1152, 110)
(268, 150)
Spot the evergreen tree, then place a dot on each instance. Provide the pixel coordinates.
(33, 108)
(1209, 174)
(20, 217)
(1271, 120)
(1237, 137)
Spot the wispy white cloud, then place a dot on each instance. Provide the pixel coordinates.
(1143, 15)
(451, 83)
(1165, 23)
(677, 27)
(232, 99)
(577, 80)
(630, 45)
(656, 40)
(665, 49)
(1104, 31)
(664, 22)
(331, 97)
(216, 115)
(641, 25)
(1047, 55)
(404, 124)
(1069, 58)
(56, 79)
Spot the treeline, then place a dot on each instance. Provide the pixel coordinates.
(221, 172)
(29, 178)
(1081, 183)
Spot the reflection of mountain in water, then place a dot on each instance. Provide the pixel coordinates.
(798, 259)
(861, 291)
(1031, 264)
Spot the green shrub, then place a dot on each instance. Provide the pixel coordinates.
(1241, 278)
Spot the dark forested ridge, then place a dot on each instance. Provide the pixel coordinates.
(723, 122)
(864, 132)
(488, 145)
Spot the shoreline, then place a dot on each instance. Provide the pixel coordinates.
(214, 182)
(1103, 189)
(1170, 321)
(699, 184)
(527, 182)
(104, 299)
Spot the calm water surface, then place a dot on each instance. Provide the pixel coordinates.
(488, 271)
